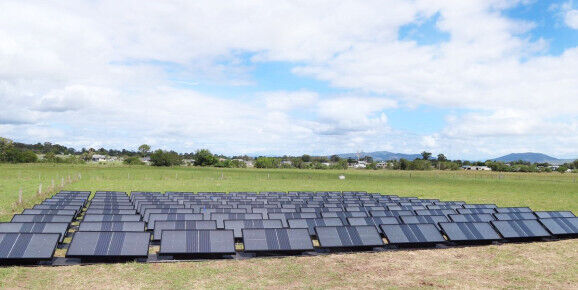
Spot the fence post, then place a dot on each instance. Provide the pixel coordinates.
(52, 184)
(62, 182)
(20, 196)
(40, 189)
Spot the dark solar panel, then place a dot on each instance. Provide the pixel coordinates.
(110, 211)
(424, 219)
(42, 218)
(561, 226)
(343, 215)
(412, 234)
(372, 221)
(191, 242)
(27, 246)
(284, 216)
(220, 217)
(469, 232)
(553, 214)
(348, 237)
(49, 211)
(310, 224)
(238, 225)
(384, 213)
(182, 225)
(111, 218)
(153, 217)
(513, 209)
(518, 229)
(475, 210)
(37, 228)
(112, 226)
(444, 212)
(515, 216)
(276, 240)
(481, 217)
(113, 245)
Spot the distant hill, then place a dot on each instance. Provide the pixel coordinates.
(381, 155)
(530, 157)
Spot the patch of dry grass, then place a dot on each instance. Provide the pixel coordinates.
(528, 265)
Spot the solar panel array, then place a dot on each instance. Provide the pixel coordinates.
(117, 226)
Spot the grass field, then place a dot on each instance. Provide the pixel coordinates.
(535, 265)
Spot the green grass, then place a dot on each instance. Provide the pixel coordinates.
(536, 265)
(540, 191)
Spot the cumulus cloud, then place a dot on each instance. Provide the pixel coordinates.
(571, 19)
(118, 74)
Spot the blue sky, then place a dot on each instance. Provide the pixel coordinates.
(471, 79)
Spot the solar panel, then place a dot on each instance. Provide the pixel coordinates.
(197, 242)
(154, 217)
(220, 217)
(160, 226)
(27, 246)
(372, 221)
(109, 245)
(110, 211)
(36, 228)
(150, 211)
(238, 225)
(348, 237)
(49, 211)
(383, 213)
(42, 218)
(475, 210)
(515, 216)
(444, 212)
(276, 240)
(112, 227)
(561, 226)
(474, 217)
(343, 215)
(469, 232)
(513, 209)
(520, 229)
(312, 223)
(284, 216)
(553, 214)
(111, 218)
(412, 234)
(424, 219)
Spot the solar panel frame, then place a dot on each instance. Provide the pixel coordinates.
(112, 226)
(412, 234)
(36, 228)
(42, 218)
(475, 217)
(348, 237)
(109, 245)
(561, 226)
(27, 247)
(111, 217)
(469, 232)
(553, 214)
(161, 226)
(520, 229)
(197, 242)
(276, 240)
(515, 216)
(424, 219)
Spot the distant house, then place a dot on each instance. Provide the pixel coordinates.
(286, 162)
(189, 162)
(326, 164)
(146, 160)
(98, 158)
(381, 164)
(476, 168)
(360, 164)
(249, 163)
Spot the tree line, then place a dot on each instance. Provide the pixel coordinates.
(14, 152)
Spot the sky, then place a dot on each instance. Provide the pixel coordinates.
(470, 79)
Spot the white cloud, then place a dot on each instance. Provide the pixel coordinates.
(571, 19)
(112, 74)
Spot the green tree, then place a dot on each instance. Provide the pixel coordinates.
(306, 158)
(267, 162)
(165, 158)
(562, 169)
(133, 160)
(442, 158)
(425, 155)
(204, 157)
(144, 150)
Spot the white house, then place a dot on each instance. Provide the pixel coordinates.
(98, 158)
(477, 168)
